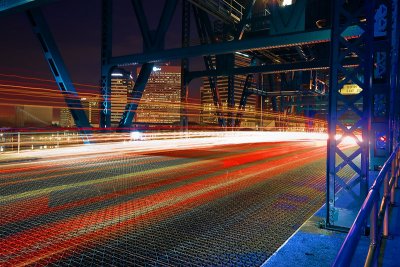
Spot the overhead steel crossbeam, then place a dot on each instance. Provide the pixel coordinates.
(207, 36)
(60, 73)
(156, 42)
(12, 6)
(345, 168)
(273, 68)
(268, 42)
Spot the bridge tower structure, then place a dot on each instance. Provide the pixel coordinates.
(306, 56)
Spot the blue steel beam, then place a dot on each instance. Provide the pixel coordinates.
(273, 98)
(340, 107)
(384, 77)
(394, 83)
(268, 42)
(12, 6)
(138, 89)
(245, 94)
(185, 65)
(206, 35)
(231, 98)
(238, 36)
(243, 100)
(106, 53)
(156, 43)
(164, 23)
(242, 24)
(273, 68)
(143, 24)
(60, 73)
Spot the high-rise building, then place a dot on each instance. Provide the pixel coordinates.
(121, 87)
(208, 110)
(66, 119)
(161, 100)
(91, 108)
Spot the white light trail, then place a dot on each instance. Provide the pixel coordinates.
(146, 142)
(287, 2)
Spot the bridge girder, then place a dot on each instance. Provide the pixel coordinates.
(14, 6)
(268, 42)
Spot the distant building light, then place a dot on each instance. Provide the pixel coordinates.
(287, 2)
(156, 68)
(242, 54)
(117, 74)
(83, 98)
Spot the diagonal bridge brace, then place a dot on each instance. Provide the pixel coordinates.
(60, 73)
(150, 43)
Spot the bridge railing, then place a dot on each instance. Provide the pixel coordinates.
(19, 141)
(377, 209)
(15, 142)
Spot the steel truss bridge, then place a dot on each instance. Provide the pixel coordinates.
(304, 55)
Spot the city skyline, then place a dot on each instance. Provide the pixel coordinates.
(21, 54)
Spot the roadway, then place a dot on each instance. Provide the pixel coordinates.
(208, 205)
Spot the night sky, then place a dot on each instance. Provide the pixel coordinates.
(75, 24)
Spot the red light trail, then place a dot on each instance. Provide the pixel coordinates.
(171, 182)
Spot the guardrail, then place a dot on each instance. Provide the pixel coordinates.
(18, 141)
(23, 141)
(378, 211)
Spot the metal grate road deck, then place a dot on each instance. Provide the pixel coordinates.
(218, 206)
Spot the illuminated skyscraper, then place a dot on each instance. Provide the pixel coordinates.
(66, 119)
(208, 110)
(91, 108)
(161, 102)
(121, 86)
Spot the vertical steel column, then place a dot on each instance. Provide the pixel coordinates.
(185, 64)
(243, 100)
(238, 36)
(60, 73)
(347, 170)
(231, 100)
(381, 84)
(271, 82)
(106, 54)
(207, 36)
(245, 95)
(394, 71)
